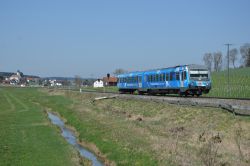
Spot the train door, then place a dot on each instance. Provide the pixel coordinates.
(182, 79)
(140, 81)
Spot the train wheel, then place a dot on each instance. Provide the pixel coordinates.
(140, 92)
(180, 93)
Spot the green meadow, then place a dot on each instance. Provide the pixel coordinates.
(122, 132)
(26, 135)
(238, 87)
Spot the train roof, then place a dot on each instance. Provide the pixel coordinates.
(195, 66)
(190, 66)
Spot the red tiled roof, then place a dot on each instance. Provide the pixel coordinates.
(110, 79)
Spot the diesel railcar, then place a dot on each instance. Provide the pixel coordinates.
(183, 80)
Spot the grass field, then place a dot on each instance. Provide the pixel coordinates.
(126, 132)
(147, 133)
(239, 83)
(26, 136)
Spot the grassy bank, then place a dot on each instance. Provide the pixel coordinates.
(132, 132)
(129, 132)
(26, 136)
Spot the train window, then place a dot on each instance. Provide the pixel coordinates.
(172, 76)
(167, 76)
(184, 75)
(139, 79)
(177, 76)
(156, 77)
(160, 77)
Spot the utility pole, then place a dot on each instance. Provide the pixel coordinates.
(228, 45)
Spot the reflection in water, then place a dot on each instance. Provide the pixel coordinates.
(71, 138)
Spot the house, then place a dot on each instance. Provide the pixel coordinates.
(15, 78)
(98, 84)
(110, 81)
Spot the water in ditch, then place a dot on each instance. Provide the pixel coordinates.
(71, 139)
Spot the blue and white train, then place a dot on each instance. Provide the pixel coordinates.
(183, 80)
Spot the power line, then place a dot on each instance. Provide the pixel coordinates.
(228, 45)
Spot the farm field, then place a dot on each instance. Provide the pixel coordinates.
(124, 132)
(239, 83)
(26, 136)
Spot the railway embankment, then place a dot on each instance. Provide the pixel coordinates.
(238, 107)
(235, 106)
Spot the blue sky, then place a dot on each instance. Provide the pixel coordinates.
(92, 38)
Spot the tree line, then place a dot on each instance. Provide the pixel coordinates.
(214, 61)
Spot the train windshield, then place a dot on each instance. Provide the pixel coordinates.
(199, 74)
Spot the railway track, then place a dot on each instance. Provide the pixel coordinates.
(238, 106)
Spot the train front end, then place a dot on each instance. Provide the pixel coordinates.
(199, 80)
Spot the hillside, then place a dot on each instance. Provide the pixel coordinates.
(239, 83)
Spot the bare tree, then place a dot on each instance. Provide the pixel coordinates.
(245, 54)
(217, 57)
(233, 56)
(208, 59)
(78, 81)
(119, 71)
